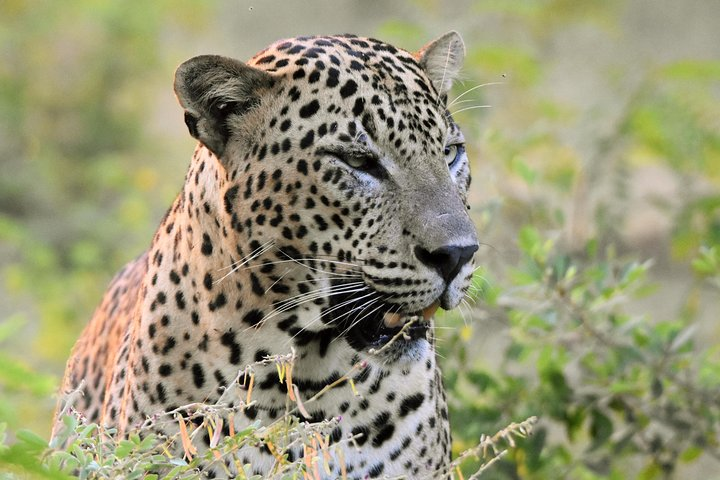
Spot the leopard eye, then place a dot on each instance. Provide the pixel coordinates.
(366, 164)
(360, 163)
(453, 152)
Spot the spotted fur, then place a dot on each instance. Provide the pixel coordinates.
(327, 191)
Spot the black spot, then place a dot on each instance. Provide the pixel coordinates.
(309, 109)
(219, 302)
(381, 419)
(160, 389)
(180, 300)
(287, 323)
(360, 429)
(228, 340)
(207, 247)
(377, 470)
(266, 59)
(261, 354)
(208, 281)
(161, 298)
(333, 75)
(384, 434)
(411, 403)
(307, 140)
(169, 345)
(251, 412)
(257, 287)
(198, 375)
(302, 167)
(294, 94)
(293, 50)
(230, 196)
(348, 89)
(165, 370)
(253, 317)
(321, 223)
(359, 106)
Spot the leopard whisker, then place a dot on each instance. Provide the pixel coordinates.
(320, 292)
(280, 262)
(336, 307)
(370, 302)
(358, 311)
(470, 108)
(318, 258)
(276, 281)
(463, 303)
(473, 89)
(252, 255)
(466, 101)
(314, 280)
(323, 292)
(237, 266)
(312, 268)
(285, 309)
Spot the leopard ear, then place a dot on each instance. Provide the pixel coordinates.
(210, 88)
(442, 60)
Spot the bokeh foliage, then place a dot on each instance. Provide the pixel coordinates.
(80, 189)
(620, 393)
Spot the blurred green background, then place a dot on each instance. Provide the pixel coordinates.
(595, 149)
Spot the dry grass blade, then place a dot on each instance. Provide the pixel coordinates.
(488, 449)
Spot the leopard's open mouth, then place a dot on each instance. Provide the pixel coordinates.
(375, 327)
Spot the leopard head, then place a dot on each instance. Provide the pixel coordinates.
(341, 151)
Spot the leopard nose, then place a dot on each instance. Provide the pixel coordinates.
(447, 260)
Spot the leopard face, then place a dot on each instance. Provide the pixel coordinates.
(341, 151)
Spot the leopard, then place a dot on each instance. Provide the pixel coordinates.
(324, 215)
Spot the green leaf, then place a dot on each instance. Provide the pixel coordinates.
(124, 448)
(691, 454)
(601, 428)
(15, 375)
(31, 439)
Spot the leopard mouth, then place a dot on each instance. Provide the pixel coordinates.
(381, 326)
(382, 329)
